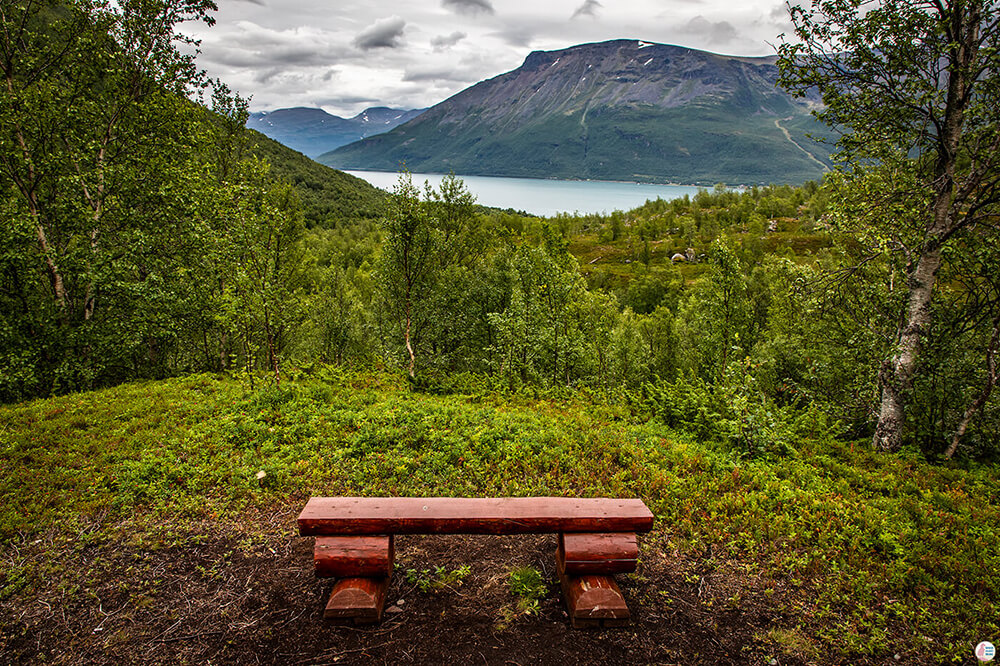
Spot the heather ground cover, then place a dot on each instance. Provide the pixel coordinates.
(822, 553)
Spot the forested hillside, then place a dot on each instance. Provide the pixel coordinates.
(328, 197)
(150, 240)
(146, 233)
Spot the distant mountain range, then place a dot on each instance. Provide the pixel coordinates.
(314, 131)
(617, 110)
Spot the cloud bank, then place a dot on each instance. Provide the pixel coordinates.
(385, 33)
(588, 8)
(347, 55)
(469, 6)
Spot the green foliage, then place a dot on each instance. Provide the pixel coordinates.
(915, 93)
(736, 412)
(263, 265)
(417, 247)
(527, 584)
(838, 530)
(99, 155)
(330, 198)
(142, 238)
(438, 579)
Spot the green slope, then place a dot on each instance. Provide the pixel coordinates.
(115, 497)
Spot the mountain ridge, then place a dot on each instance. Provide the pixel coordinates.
(616, 110)
(313, 131)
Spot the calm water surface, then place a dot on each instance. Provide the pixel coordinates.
(545, 197)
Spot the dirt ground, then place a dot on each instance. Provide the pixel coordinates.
(254, 600)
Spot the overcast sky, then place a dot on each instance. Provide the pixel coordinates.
(347, 55)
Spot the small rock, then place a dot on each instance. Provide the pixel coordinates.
(393, 609)
(773, 662)
(401, 602)
(261, 475)
(897, 656)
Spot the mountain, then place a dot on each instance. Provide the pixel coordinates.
(617, 110)
(314, 131)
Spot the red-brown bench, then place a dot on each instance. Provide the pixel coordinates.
(597, 538)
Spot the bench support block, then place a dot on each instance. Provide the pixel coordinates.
(357, 600)
(593, 601)
(352, 556)
(609, 553)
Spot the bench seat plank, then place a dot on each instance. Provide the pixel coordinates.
(448, 515)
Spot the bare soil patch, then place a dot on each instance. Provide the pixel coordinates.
(236, 597)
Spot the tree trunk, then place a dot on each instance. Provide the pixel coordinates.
(896, 375)
(246, 351)
(409, 346)
(224, 351)
(55, 277)
(272, 354)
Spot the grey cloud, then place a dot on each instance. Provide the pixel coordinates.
(434, 74)
(469, 6)
(670, 14)
(266, 75)
(286, 56)
(780, 18)
(344, 100)
(720, 32)
(515, 36)
(251, 45)
(444, 41)
(385, 33)
(444, 72)
(588, 8)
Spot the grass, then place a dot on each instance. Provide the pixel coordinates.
(867, 555)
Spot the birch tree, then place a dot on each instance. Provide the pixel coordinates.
(913, 87)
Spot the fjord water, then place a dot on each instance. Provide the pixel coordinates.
(545, 197)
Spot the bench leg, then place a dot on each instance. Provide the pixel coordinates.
(357, 600)
(593, 601)
(353, 556)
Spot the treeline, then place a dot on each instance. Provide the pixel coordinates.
(143, 237)
(780, 323)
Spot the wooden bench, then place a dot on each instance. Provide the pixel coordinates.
(597, 538)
